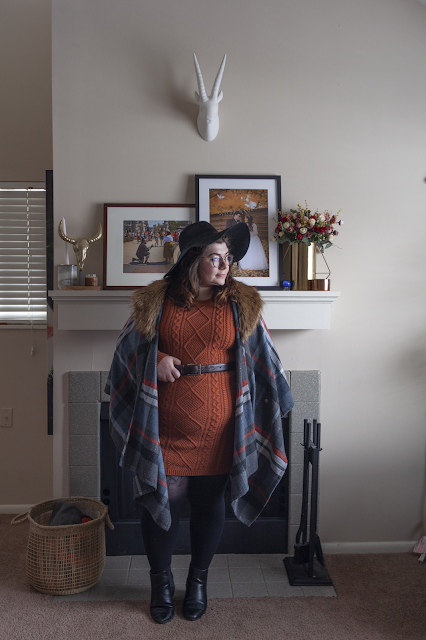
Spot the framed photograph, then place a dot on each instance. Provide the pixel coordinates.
(141, 242)
(252, 200)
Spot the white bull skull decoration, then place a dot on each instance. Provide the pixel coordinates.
(208, 115)
(80, 245)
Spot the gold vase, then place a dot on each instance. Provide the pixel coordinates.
(299, 265)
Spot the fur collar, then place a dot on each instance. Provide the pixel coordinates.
(146, 303)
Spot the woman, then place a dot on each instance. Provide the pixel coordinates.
(187, 429)
(255, 258)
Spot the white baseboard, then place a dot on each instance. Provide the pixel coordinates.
(368, 547)
(15, 508)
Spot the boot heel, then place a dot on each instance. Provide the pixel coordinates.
(195, 602)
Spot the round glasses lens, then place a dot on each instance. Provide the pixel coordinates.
(219, 260)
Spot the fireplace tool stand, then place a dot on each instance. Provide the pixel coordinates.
(307, 567)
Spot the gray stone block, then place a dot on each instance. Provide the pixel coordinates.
(84, 481)
(140, 563)
(300, 411)
(295, 453)
(275, 573)
(249, 589)
(117, 563)
(218, 574)
(295, 509)
(306, 386)
(283, 590)
(139, 577)
(84, 451)
(243, 561)
(246, 574)
(83, 418)
(104, 377)
(296, 478)
(83, 386)
(219, 561)
(113, 578)
(220, 590)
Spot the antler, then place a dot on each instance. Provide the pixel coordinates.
(200, 81)
(98, 236)
(216, 85)
(62, 234)
(208, 116)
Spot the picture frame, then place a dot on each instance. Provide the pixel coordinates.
(219, 198)
(126, 227)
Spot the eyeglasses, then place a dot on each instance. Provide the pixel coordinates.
(218, 261)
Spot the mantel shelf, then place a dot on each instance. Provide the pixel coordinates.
(108, 310)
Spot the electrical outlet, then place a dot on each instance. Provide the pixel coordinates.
(6, 417)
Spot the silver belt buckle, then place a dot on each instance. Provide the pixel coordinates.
(193, 364)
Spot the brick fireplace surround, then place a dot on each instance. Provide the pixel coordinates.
(86, 392)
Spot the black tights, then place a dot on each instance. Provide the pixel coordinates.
(206, 498)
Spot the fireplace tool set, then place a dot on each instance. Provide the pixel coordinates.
(307, 567)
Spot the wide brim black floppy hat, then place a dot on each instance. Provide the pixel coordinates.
(202, 233)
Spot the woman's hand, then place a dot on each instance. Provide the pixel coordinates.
(166, 371)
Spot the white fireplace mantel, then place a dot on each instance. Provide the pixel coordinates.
(108, 310)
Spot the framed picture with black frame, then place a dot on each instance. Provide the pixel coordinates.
(141, 242)
(225, 200)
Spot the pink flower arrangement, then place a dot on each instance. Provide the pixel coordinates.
(301, 225)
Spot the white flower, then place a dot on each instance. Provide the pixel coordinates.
(321, 217)
(331, 237)
(303, 230)
(312, 222)
(281, 233)
(286, 225)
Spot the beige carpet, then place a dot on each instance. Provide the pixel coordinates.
(379, 597)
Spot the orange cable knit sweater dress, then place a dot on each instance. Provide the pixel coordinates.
(196, 413)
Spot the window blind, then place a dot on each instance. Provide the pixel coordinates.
(22, 253)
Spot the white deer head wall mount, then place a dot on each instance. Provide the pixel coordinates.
(208, 115)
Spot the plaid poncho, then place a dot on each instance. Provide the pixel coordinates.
(263, 396)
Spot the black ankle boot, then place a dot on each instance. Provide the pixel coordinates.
(195, 603)
(162, 590)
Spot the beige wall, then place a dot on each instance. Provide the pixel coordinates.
(331, 96)
(26, 105)
(25, 449)
(25, 154)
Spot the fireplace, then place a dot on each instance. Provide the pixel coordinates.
(94, 471)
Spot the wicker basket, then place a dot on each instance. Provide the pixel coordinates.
(66, 559)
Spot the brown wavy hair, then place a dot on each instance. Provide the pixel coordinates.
(184, 283)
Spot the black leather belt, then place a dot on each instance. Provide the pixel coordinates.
(198, 369)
